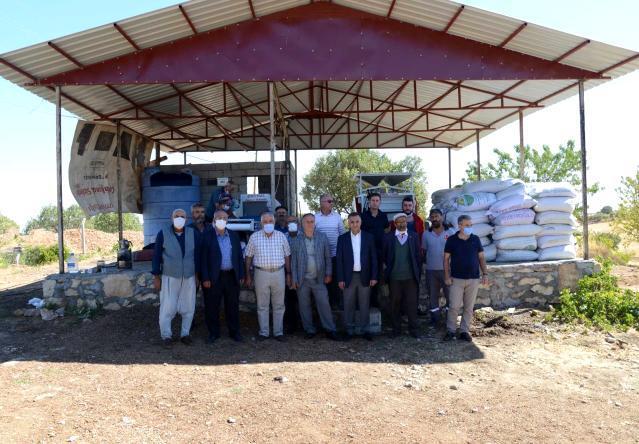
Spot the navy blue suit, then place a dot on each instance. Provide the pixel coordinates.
(368, 259)
(225, 284)
(212, 256)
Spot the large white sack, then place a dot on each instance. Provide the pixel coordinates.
(555, 217)
(503, 232)
(489, 185)
(490, 253)
(511, 203)
(447, 194)
(565, 204)
(557, 253)
(550, 189)
(482, 230)
(475, 201)
(516, 255)
(519, 189)
(476, 217)
(555, 241)
(517, 243)
(556, 230)
(517, 217)
(485, 241)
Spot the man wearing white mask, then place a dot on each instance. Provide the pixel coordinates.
(222, 274)
(176, 261)
(268, 251)
(463, 257)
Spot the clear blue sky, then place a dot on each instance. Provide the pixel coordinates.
(27, 136)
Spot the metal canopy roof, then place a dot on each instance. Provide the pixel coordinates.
(374, 179)
(347, 74)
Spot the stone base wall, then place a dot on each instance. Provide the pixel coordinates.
(524, 284)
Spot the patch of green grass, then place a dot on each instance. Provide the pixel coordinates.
(598, 301)
(41, 255)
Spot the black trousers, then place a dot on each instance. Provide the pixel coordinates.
(403, 295)
(292, 312)
(335, 297)
(228, 289)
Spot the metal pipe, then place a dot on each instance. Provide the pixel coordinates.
(297, 200)
(58, 159)
(83, 237)
(584, 181)
(450, 171)
(118, 144)
(157, 153)
(184, 157)
(271, 111)
(289, 194)
(478, 156)
(522, 149)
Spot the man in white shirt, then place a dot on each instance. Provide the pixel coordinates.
(330, 223)
(356, 273)
(268, 251)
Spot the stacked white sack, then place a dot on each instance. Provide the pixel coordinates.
(555, 204)
(513, 209)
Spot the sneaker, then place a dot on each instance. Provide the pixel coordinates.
(309, 335)
(167, 343)
(450, 336)
(261, 338)
(465, 336)
(333, 336)
(186, 340)
(368, 337)
(280, 338)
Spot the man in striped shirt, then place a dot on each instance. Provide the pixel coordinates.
(330, 223)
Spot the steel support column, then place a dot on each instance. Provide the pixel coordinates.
(584, 181)
(522, 149)
(118, 144)
(289, 193)
(271, 111)
(450, 169)
(297, 201)
(478, 156)
(58, 158)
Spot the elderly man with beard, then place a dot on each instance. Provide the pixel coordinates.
(433, 243)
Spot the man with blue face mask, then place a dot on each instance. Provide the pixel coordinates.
(268, 251)
(176, 261)
(463, 257)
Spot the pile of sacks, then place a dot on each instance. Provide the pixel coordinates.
(515, 222)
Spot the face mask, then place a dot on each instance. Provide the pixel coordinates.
(220, 224)
(179, 222)
(268, 228)
(468, 230)
(292, 227)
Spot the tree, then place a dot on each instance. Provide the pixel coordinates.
(606, 210)
(7, 224)
(108, 222)
(47, 219)
(626, 219)
(334, 173)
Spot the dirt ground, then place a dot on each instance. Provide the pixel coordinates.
(108, 380)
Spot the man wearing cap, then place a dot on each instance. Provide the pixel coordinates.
(220, 198)
(403, 267)
(414, 223)
(433, 243)
(176, 261)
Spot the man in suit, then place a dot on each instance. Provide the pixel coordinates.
(222, 276)
(356, 274)
(311, 271)
(403, 268)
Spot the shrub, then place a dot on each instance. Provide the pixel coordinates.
(598, 301)
(606, 246)
(6, 224)
(40, 255)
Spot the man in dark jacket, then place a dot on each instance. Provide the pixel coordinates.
(222, 276)
(356, 274)
(403, 268)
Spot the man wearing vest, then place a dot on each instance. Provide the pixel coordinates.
(403, 268)
(176, 260)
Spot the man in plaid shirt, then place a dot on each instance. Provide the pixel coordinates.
(268, 251)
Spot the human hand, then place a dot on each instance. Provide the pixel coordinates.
(341, 285)
(206, 284)
(373, 282)
(448, 281)
(157, 283)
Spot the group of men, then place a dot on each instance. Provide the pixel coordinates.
(292, 265)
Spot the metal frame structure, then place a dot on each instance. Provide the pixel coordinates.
(220, 75)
